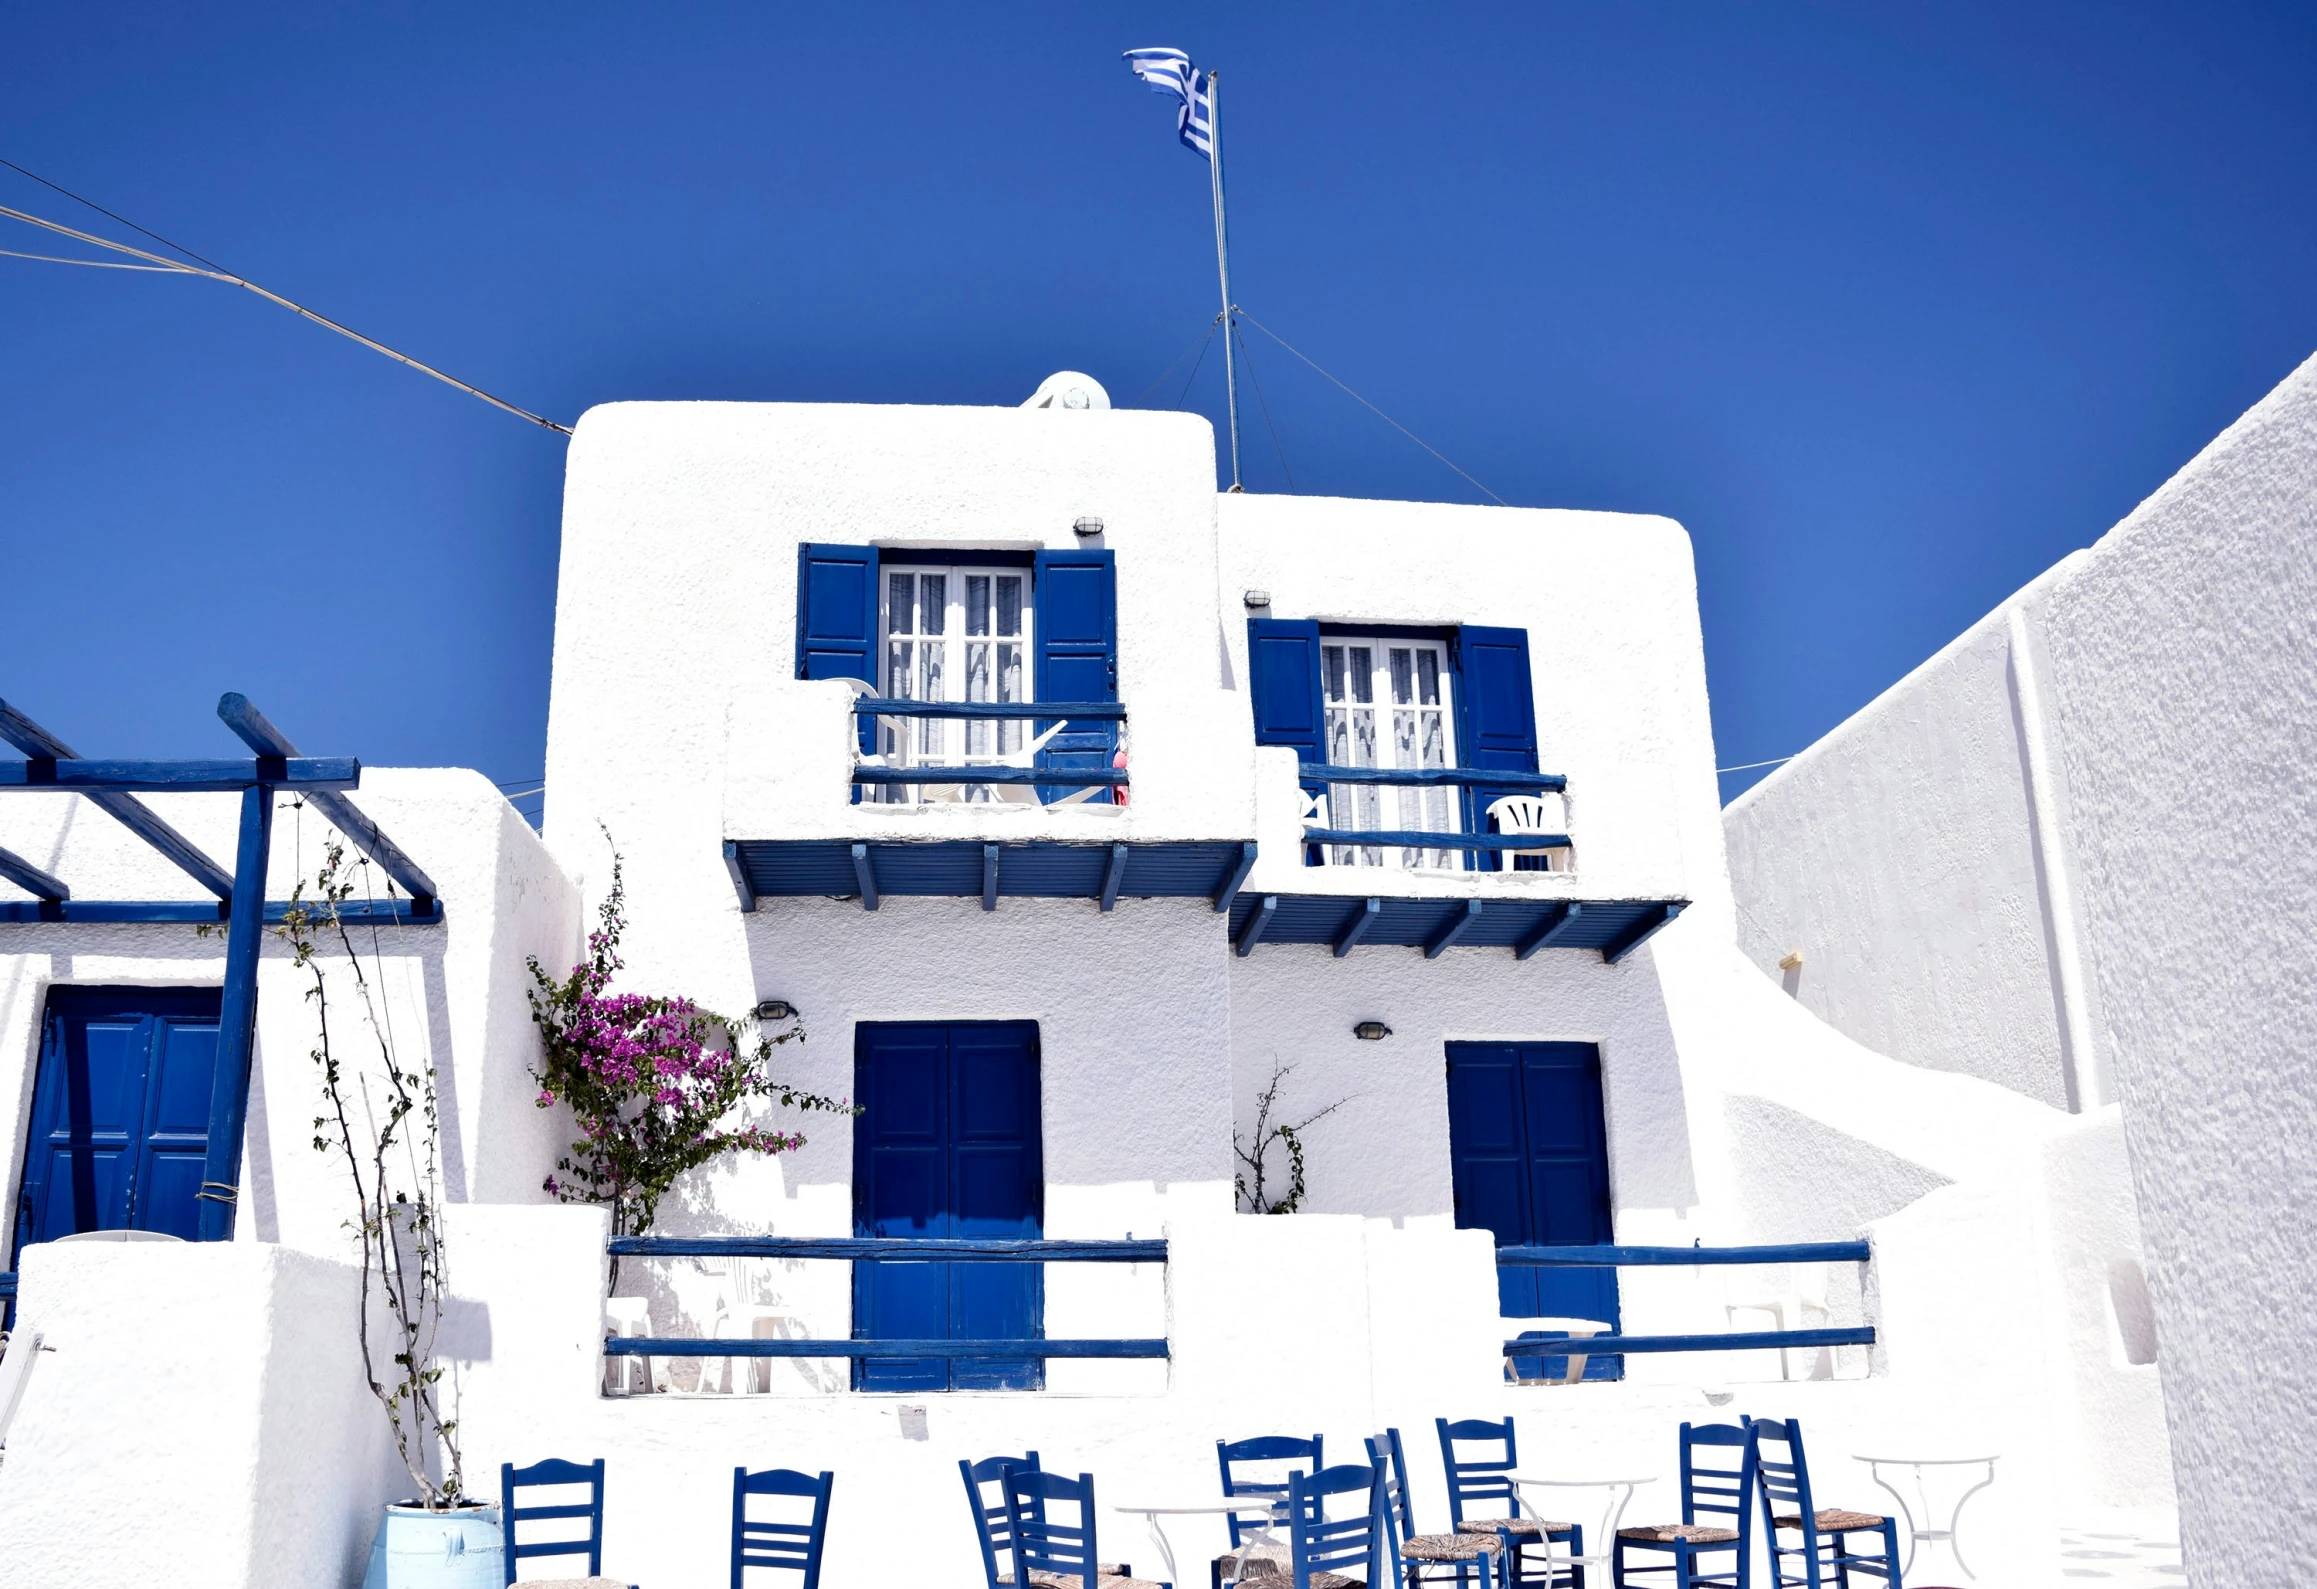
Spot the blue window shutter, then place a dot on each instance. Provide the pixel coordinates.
(1283, 684)
(1497, 713)
(1075, 596)
(836, 619)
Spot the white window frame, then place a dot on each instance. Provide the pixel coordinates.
(928, 741)
(1395, 738)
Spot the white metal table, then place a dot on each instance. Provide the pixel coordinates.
(1578, 1331)
(1612, 1515)
(1150, 1515)
(1920, 1530)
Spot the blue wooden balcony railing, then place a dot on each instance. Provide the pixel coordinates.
(1470, 837)
(1614, 1257)
(851, 1248)
(1045, 772)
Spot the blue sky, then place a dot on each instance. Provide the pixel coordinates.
(1892, 306)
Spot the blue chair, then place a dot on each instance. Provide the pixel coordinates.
(1052, 1554)
(793, 1546)
(1263, 1448)
(1356, 1543)
(993, 1529)
(552, 1472)
(1486, 1478)
(1826, 1552)
(1467, 1559)
(1708, 1492)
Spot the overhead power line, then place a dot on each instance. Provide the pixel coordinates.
(214, 273)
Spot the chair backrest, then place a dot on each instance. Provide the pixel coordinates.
(1717, 1475)
(1399, 1500)
(1042, 1543)
(553, 1471)
(1525, 814)
(794, 1546)
(1263, 1448)
(991, 1525)
(1484, 1476)
(1356, 1541)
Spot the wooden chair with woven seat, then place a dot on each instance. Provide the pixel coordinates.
(1467, 1560)
(1827, 1549)
(1487, 1480)
(985, 1492)
(555, 1473)
(1353, 1549)
(1709, 1492)
(1050, 1553)
(1231, 1456)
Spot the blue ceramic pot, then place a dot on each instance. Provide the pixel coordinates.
(419, 1549)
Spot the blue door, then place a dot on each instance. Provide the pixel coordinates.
(1529, 1153)
(948, 1144)
(120, 1113)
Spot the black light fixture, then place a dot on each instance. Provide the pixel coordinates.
(1088, 528)
(776, 1010)
(1257, 598)
(1371, 1031)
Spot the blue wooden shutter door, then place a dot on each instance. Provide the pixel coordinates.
(1076, 614)
(1498, 714)
(948, 1145)
(837, 631)
(1283, 685)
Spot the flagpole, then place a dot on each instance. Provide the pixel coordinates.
(1223, 260)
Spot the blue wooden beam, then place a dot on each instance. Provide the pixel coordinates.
(678, 1346)
(1424, 839)
(1230, 889)
(1088, 711)
(1073, 777)
(1356, 926)
(354, 912)
(237, 1018)
(1454, 928)
(181, 777)
(1607, 1257)
(865, 876)
(1551, 930)
(1434, 777)
(740, 883)
(989, 877)
(1257, 923)
(31, 878)
(1113, 876)
(131, 813)
(949, 1249)
(1638, 934)
(1728, 1341)
(260, 735)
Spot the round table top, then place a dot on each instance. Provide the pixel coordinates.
(1928, 1462)
(1584, 1483)
(1215, 1507)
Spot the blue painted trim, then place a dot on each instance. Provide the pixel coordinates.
(1357, 927)
(680, 1346)
(1230, 889)
(1420, 839)
(1435, 777)
(1114, 875)
(1729, 1341)
(1551, 930)
(1251, 934)
(260, 735)
(1603, 1257)
(181, 777)
(33, 740)
(981, 1249)
(739, 875)
(237, 1017)
(865, 876)
(31, 878)
(1455, 927)
(1639, 933)
(1074, 777)
(989, 877)
(983, 711)
(354, 913)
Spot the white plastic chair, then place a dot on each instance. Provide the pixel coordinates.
(629, 1316)
(1539, 814)
(1315, 810)
(24, 1347)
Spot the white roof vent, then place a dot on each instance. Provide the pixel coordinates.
(1069, 389)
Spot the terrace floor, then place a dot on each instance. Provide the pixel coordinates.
(2126, 1550)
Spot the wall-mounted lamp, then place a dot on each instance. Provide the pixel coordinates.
(776, 1010)
(1088, 528)
(1257, 598)
(1371, 1031)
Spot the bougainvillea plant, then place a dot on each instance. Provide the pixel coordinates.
(657, 1084)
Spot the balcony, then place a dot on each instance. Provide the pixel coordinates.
(1505, 817)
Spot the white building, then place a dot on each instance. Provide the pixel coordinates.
(1116, 983)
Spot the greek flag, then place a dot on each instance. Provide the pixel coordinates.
(1171, 72)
